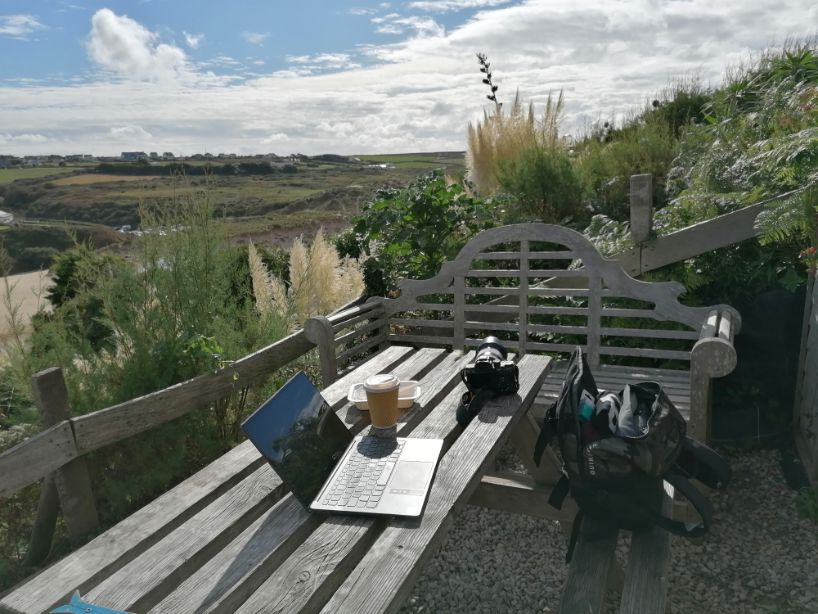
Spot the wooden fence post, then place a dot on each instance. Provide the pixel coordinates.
(42, 534)
(641, 207)
(319, 330)
(71, 480)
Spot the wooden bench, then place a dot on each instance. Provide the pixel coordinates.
(545, 289)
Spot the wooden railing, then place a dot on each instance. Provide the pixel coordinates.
(55, 455)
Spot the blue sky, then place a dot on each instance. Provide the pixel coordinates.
(83, 76)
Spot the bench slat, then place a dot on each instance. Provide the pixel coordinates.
(552, 255)
(644, 353)
(587, 581)
(646, 576)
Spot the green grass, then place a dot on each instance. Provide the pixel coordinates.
(287, 223)
(7, 175)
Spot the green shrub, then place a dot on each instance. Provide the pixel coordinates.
(545, 187)
(410, 232)
(182, 306)
(606, 160)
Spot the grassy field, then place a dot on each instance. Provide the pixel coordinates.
(91, 178)
(323, 191)
(8, 175)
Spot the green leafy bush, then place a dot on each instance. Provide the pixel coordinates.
(181, 306)
(410, 232)
(545, 186)
(606, 160)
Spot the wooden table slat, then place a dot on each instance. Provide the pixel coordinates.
(103, 556)
(256, 563)
(380, 363)
(147, 579)
(284, 581)
(122, 543)
(222, 584)
(383, 579)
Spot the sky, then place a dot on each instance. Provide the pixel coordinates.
(348, 77)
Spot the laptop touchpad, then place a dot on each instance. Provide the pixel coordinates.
(410, 478)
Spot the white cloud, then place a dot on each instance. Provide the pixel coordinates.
(418, 92)
(444, 6)
(225, 60)
(193, 40)
(277, 138)
(130, 133)
(19, 26)
(255, 38)
(123, 46)
(360, 11)
(23, 139)
(395, 24)
(329, 60)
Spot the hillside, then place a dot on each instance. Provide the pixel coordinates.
(254, 198)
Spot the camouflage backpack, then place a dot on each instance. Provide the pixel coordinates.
(618, 448)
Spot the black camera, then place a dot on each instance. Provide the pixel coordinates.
(490, 369)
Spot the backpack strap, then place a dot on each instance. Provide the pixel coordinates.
(700, 503)
(548, 432)
(699, 462)
(696, 498)
(471, 403)
(559, 492)
(572, 541)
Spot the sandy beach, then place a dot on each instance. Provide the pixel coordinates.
(27, 296)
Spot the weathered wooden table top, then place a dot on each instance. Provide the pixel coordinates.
(232, 539)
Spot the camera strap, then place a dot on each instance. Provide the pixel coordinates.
(471, 403)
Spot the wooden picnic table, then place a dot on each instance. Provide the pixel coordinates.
(232, 539)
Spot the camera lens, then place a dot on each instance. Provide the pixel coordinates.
(491, 348)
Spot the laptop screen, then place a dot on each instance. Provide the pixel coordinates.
(300, 435)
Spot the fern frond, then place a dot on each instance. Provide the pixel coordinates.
(794, 217)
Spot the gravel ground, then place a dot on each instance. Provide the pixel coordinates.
(759, 557)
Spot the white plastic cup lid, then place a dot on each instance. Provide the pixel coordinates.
(381, 383)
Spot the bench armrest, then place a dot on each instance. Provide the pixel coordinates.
(714, 355)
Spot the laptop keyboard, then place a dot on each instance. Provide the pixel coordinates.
(363, 478)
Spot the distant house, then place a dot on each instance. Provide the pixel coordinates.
(6, 218)
(154, 155)
(133, 156)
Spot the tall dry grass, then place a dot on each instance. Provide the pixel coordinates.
(320, 281)
(505, 136)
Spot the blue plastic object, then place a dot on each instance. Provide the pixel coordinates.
(78, 606)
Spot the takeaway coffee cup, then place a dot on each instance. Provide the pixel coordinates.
(382, 397)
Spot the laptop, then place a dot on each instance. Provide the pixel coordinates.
(328, 470)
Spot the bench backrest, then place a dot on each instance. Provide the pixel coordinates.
(544, 288)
